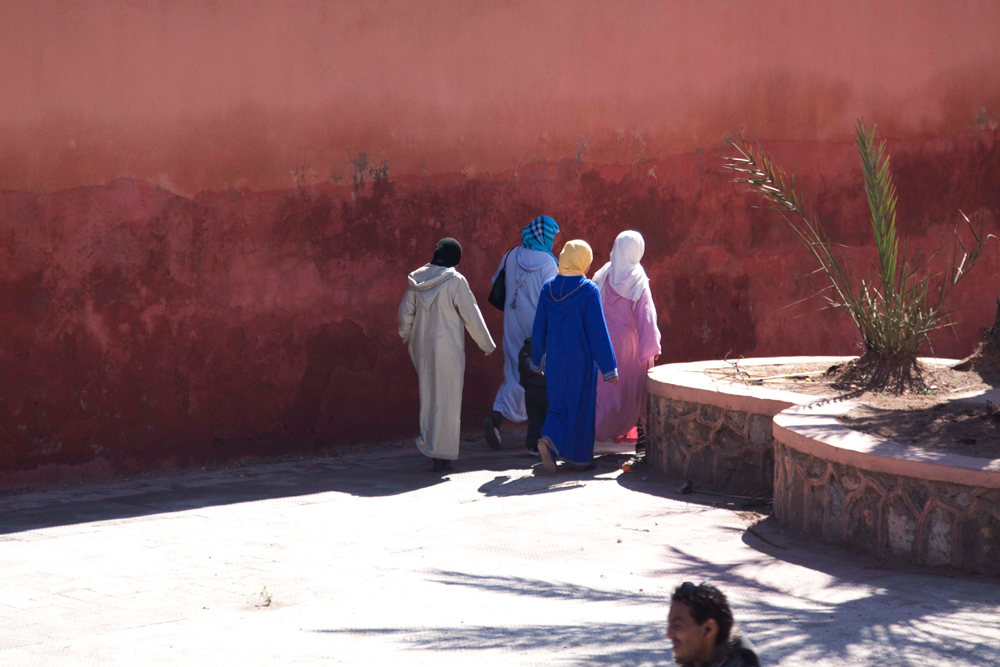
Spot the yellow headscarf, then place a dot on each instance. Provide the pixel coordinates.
(575, 258)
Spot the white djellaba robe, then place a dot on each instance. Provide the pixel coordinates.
(527, 271)
(436, 310)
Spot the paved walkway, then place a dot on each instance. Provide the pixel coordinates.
(369, 559)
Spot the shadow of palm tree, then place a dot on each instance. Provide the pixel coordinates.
(958, 427)
(599, 643)
(862, 614)
(537, 588)
(886, 620)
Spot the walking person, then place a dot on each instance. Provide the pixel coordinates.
(435, 312)
(631, 318)
(570, 333)
(526, 268)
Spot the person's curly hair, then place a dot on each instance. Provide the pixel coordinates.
(704, 602)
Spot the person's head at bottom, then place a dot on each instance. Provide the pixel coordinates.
(699, 620)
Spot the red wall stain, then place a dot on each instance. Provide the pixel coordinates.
(208, 209)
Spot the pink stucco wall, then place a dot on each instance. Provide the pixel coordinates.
(208, 208)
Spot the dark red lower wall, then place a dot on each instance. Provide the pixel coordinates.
(143, 329)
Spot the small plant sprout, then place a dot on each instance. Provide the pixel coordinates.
(265, 597)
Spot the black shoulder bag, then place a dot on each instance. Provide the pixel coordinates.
(498, 295)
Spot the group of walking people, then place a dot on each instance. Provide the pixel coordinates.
(561, 331)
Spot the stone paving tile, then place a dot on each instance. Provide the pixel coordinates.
(370, 559)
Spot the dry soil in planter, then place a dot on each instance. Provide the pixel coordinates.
(933, 420)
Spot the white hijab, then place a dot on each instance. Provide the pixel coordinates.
(626, 274)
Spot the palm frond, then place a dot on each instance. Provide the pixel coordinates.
(893, 313)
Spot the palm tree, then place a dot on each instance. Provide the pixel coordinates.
(897, 308)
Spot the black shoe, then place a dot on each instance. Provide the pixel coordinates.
(491, 429)
(441, 465)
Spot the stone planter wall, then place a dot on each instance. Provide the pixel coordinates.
(828, 481)
(731, 449)
(921, 506)
(922, 521)
(713, 432)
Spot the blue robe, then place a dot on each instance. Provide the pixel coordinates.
(570, 331)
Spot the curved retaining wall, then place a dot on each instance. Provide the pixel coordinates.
(828, 481)
(713, 431)
(845, 487)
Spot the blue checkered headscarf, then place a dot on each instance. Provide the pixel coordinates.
(539, 234)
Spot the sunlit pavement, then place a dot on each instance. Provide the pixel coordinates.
(367, 558)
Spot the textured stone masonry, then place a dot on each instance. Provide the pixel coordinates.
(707, 444)
(916, 520)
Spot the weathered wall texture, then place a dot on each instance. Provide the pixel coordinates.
(208, 209)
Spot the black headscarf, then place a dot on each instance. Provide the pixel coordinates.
(447, 253)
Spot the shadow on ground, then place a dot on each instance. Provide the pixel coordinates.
(909, 621)
(611, 643)
(599, 643)
(768, 537)
(904, 624)
(541, 482)
(645, 481)
(373, 471)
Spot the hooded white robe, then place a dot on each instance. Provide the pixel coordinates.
(527, 271)
(436, 310)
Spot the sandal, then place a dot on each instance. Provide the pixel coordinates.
(546, 451)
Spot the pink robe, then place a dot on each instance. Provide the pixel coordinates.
(636, 340)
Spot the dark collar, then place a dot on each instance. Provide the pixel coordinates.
(736, 642)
